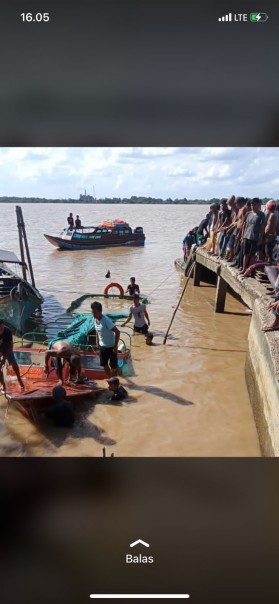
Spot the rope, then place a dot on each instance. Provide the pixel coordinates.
(171, 273)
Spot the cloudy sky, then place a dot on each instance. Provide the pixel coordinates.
(175, 172)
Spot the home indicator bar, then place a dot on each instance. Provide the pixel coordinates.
(139, 596)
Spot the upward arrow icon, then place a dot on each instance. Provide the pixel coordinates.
(139, 541)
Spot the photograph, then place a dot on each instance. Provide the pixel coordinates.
(139, 301)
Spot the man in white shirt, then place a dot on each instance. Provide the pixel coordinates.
(139, 313)
(107, 338)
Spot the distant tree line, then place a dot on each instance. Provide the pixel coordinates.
(114, 200)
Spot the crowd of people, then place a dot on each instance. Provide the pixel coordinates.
(244, 234)
(238, 231)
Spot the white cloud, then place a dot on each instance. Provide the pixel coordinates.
(165, 171)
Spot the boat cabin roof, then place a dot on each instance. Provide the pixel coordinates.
(6, 256)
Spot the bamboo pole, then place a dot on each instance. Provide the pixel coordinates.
(23, 266)
(27, 249)
(183, 291)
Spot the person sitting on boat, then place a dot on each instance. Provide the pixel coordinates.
(63, 350)
(70, 221)
(78, 223)
(132, 288)
(119, 392)
(7, 354)
(107, 338)
(139, 312)
(62, 411)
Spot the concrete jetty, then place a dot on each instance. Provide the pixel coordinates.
(262, 363)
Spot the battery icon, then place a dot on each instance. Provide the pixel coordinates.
(258, 17)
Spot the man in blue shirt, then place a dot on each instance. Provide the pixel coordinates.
(107, 338)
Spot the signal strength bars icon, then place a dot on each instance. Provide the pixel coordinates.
(226, 17)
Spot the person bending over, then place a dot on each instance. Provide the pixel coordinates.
(63, 351)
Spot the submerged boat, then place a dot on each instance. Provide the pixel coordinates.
(18, 298)
(37, 396)
(31, 363)
(115, 233)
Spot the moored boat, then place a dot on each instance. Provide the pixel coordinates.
(115, 233)
(18, 298)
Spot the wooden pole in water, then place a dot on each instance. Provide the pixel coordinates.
(184, 288)
(26, 247)
(23, 266)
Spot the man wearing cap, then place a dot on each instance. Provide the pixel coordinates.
(119, 393)
(107, 338)
(139, 312)
(270, 229)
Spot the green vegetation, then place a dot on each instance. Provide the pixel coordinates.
(114, 200)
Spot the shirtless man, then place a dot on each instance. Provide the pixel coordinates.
(63, 350)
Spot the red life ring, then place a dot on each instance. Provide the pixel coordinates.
(121, 290)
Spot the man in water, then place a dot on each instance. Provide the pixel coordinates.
(149, 339)
(70, 221)
(78, 223)
(107, 338)
(132, 288)
(63, 350)
(62, 411)
(7, 354)
(119, 393)
(139, 312)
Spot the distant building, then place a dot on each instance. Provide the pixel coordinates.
(86, 198)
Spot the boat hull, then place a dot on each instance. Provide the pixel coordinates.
(37, 396)
(134, 240)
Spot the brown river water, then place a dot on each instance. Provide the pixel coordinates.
(187, 398)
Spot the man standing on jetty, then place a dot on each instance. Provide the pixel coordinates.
(107, 338)
(253, 234)
(7, 354)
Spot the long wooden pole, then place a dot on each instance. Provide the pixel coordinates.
(27, 249)
(23, 265)
(183, 291)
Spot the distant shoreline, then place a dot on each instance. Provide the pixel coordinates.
(117, 201)
(19, 200)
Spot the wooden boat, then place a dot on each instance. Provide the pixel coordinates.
(37, 396)
(109, 234)
(18, 298)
